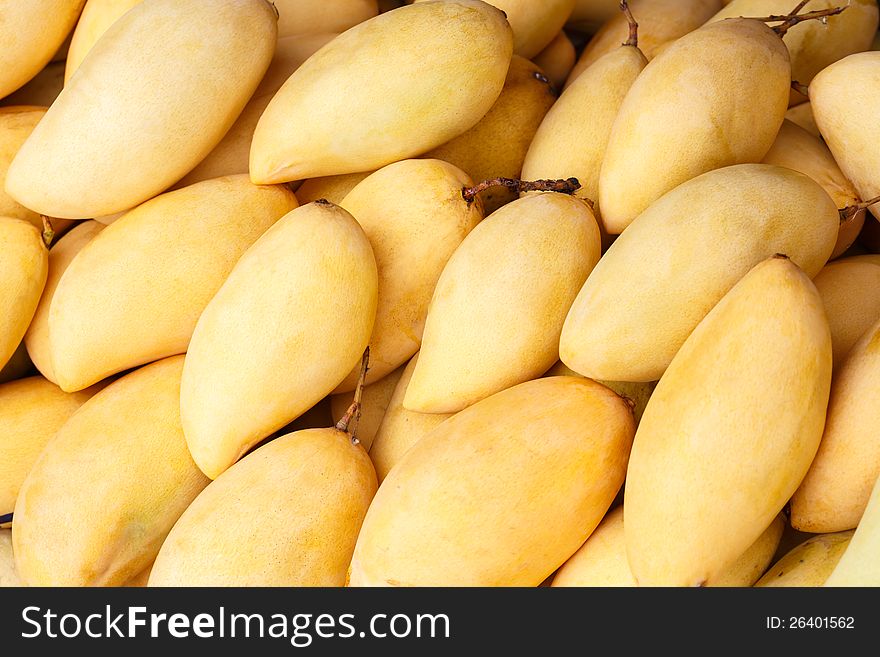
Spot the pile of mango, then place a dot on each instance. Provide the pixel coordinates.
(440, 293)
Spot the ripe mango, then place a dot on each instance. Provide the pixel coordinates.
(300, 17)
(557, 59)
(808, 564)
(97, 17)
(859, 565)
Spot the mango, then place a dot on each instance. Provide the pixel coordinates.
(23, 271)
(415, 217)
(859, 566)
(809, 564)
(802, 115)
(501, 300)
(835, 492)
(301, 17)
(684, 116)
(165, 117)
(679, 257)
(107, 489)
(730, 430)
(31, 32)
(299, 500)
(374, 403)
(813, 45)
(850, 291)
(32, 410)
(163, 261)
(848, 90)
(400, 429)
(557, 59)
(16, 124)
(601, 560)
(329, 188)
(97, 17)
(60, 256)
(310, 129)
(502, 493)
(290, 322)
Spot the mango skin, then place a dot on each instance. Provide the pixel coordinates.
(107, 489)
(329, 188)
(61, 255)
(859, 565)
(31, 32)
(573, 137)
(557, 59)
(32, 410)
(166, 118)
(850, 291)
(808, 564)
(676, 261)
(660, 22)
(851, 140)
(813, 45)
(500, 303)
(164, 261)
(795, 148)
(835, 492)
(23, 271)
(96, 18)
(374, 402)
(8, 576)
(400, 429)
(300, 134)
(802, 115)
(299, 17)
(601, 560)
(415, 218)
(287, 326)
(300, 502)
(502, 493)
(730, 430)
(707, 74)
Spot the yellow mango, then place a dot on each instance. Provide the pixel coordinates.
(374, 403)
(859, 565)
(415, 217)
(684, 115)
(133, 294)
(637, 393)
(809, 564)
(32, 410)
(299, 503)
(231, 155)
(660, 22)
(813, 45)
(400, 429)
(298, 17)
(16, 124)
(835, 492)
(329, 188)
(601, 560)
(97, 17)
(730, 430)
(287, 326)
(557, 59)
(31, 32)
(60, 256)
(849, 88)
(502, 493)
(850, 291)
(802, 115)
(41, 91)
(166, 117)
(497, 145)
(680, 256)
(311, 128)
(8, 576)
(499, 305)
(572, 138)
(107, 489)
(797, 149)
(23, 271)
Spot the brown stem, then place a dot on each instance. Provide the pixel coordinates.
(790, 20)
(850, 211)
(567, 186)
(633, 38)
(48, 231)
(352, 416)
(800, 88)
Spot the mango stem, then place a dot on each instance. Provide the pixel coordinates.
(567, 186)
(633, 38)
(850, 211)
(48, 231)
(790, 20)
(352, 416)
